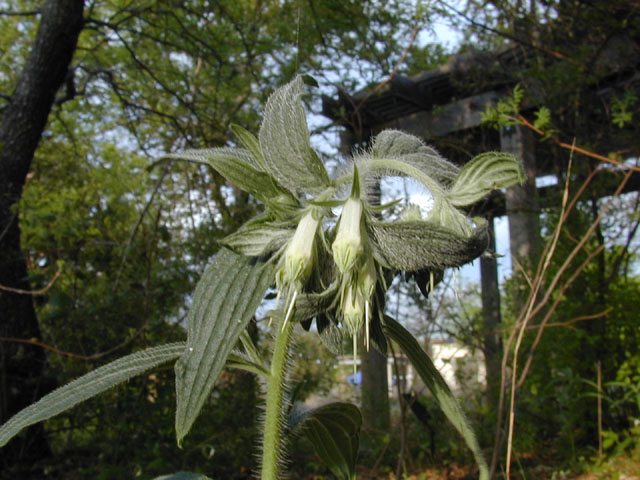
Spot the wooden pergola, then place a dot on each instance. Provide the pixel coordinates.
(442, 108)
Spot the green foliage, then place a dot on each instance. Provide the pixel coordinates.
(88, 386)
(505, 112)
(621, 108)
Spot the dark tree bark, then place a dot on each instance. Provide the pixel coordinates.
(21, 126)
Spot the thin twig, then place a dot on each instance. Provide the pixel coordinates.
(45, 346)
(42, 291)
(568, 323)
(136, 227)
(575, 148)
(393, 73)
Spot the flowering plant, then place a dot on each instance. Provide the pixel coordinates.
(333, 272)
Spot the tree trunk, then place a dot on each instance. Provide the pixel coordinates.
(21, 126)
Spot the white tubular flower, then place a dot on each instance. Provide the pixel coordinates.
(297, 262)
(348, 244)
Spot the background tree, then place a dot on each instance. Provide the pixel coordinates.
(24, 115)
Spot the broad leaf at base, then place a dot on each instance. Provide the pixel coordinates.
(225, 299)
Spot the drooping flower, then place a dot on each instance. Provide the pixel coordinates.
(348, 244)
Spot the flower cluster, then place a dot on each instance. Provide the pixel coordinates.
(332, 273)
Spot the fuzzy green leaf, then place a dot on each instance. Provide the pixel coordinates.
(412, 150)
(89, 385)
(257, 237)
(251, 143)
(438, 387)
(416, 245)
(284, 142)
(224, 301)
(240, 361)
(482, 174)
(334, 431)
(236, 165)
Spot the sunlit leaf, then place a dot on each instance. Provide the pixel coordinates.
(251, 143)
(224, 301)
(334, 431)
(236, 165)
(89, 385)
(438, 387)
(284, 142)
(482, 174)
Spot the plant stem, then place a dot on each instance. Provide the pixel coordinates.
(272, 444)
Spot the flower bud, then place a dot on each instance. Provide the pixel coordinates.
(353, 310)
(367, 278)
(347, 246)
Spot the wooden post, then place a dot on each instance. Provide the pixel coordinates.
(376, 415)
(522, 208)
(491, 317)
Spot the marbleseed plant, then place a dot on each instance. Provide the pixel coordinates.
(333, 273)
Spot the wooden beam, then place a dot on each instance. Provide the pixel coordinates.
(452, 117)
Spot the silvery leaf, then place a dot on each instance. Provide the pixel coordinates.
(257, 238)
(410, 149)
(284, 142)
(89, 385)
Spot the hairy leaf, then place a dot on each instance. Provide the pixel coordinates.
(240, 361)
(251, 143)
(236, 165)
(334, 431)
(89, 385)
(438, 387)
(224, 301)
(410, 149)
(417, 245)
(284, 142)
(482, 174)
(257, 238)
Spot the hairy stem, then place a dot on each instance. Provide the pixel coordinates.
(272, 444)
